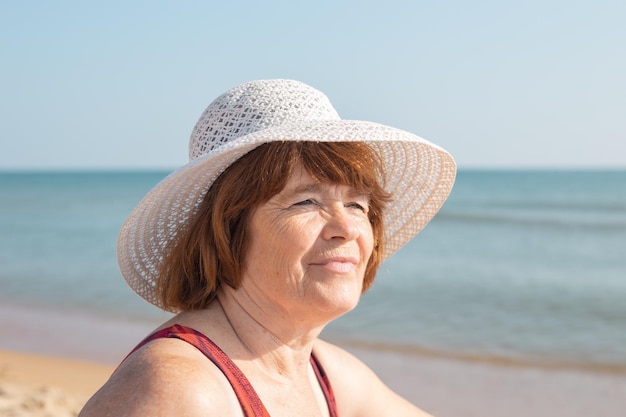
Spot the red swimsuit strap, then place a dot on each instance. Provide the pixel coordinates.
(250, 402)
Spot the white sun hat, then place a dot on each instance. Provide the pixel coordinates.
(418, 174)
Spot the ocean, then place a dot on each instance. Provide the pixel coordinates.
(522, 267)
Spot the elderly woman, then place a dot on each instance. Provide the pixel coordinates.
(275, 227)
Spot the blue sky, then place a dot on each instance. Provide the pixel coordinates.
(500, 84)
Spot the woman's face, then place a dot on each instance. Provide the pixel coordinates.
(309, 248)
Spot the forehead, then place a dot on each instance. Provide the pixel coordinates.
(301, 181)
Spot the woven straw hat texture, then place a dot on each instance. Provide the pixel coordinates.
(418, 174)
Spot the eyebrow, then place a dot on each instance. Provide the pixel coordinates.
(306, 188)
(315, 187)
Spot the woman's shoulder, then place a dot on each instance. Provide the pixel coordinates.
(342, 367)
(166, 377)
(358, 390)
(332, 354)
(349, 377)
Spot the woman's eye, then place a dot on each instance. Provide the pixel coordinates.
(357, 206)
(306, 202)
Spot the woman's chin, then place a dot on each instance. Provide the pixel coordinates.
(338, 300)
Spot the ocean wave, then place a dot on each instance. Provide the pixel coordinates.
(561, 206)
(556, 220)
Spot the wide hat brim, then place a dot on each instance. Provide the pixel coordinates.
(418, 174)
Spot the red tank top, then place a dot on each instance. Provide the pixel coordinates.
(248, 398)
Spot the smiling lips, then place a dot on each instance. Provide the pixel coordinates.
(339, 264)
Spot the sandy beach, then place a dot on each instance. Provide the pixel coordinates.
(35, 385)
(51, 363)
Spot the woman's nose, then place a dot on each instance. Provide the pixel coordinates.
(340, 224)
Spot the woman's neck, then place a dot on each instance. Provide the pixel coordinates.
(267, 333)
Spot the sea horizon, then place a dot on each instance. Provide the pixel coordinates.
(140, 169)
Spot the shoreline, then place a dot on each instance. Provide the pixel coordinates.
(496, 361)
(60, 358)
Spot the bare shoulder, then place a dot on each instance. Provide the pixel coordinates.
(167, 377)
(358, 391)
